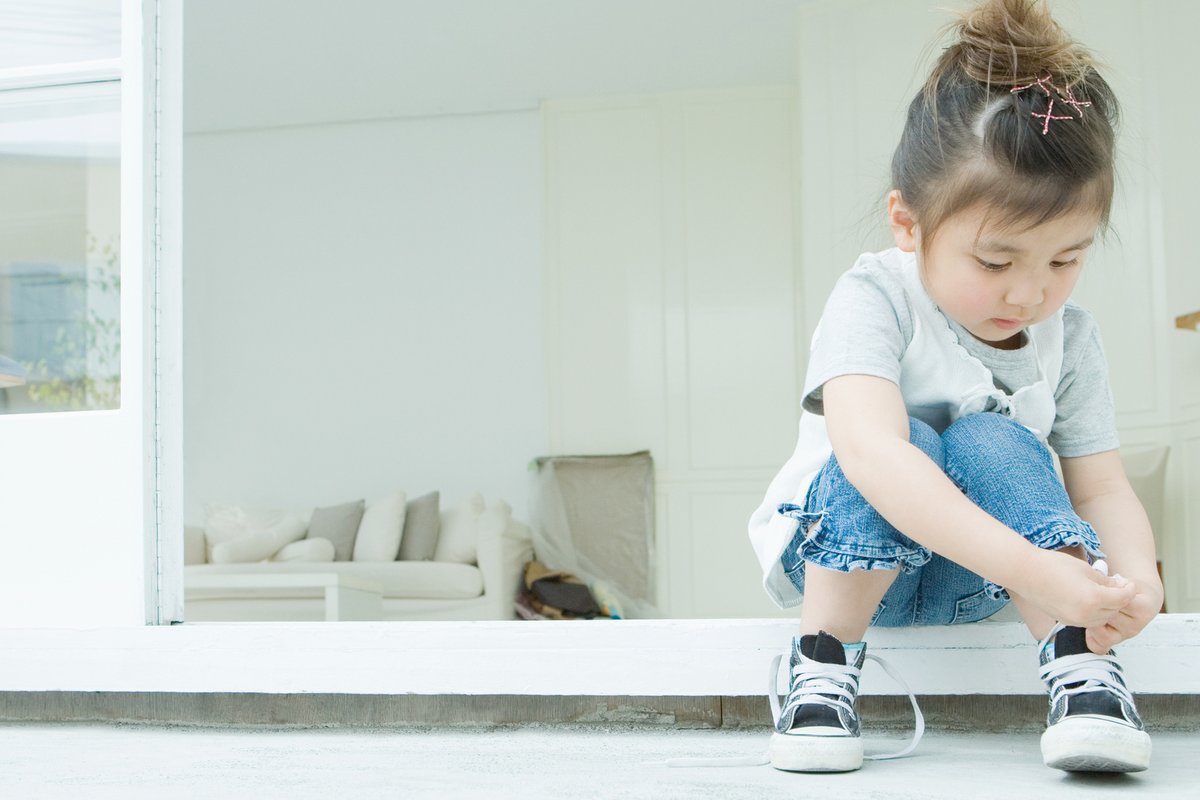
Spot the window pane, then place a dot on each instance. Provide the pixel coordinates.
(44, 32)
(60, 266)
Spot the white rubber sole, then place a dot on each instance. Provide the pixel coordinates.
(816, 750)
(1095, 744)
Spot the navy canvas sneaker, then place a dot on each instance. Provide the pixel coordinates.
(817, 729)
(1093, 724)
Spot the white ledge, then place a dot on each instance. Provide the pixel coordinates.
(603, 657)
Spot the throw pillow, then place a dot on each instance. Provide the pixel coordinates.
(421, 525)
(258, 546)
(493, 521)
(380, 530)
(226, 523)
(460, 532)
(306, 550)
(338, 524)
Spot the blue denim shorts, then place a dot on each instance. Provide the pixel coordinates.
(998, 463)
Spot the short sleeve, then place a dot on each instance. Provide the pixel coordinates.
(864, 330)
(1085, 422)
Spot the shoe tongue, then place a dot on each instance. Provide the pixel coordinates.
(1070, 641)
(823, 647)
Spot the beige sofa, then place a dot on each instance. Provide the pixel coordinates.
(411, 590)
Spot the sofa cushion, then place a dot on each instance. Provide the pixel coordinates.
(422, 523)
(410, 580)
(338, 524)
(252, 534)
(309, 550)
(460, 532)
(379, 532)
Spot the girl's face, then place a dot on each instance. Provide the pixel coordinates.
(999, 282)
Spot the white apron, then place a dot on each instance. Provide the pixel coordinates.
(940, 382)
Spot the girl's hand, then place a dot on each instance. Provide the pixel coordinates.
(1128, 622)
(1067, 589)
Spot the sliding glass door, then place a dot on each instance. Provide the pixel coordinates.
(78, 273)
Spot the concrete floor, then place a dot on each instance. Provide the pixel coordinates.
(102, 760)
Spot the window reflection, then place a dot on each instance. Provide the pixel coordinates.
(49, 32)
(60, 248)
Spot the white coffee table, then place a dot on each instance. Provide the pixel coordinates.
(347, 597)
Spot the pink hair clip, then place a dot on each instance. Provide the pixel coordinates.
(1040, 83)
(1070, 100)
(1065, 95)
(1049, 115)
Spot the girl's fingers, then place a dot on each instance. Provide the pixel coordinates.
(1101, 640)
(1114, 598)
(1113, 581)
(1104, 636)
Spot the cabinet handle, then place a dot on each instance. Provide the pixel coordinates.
(1188, 322)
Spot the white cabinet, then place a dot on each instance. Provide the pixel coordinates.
(1166, 30)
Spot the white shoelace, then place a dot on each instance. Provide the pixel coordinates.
(1090, 671)
(810, 681)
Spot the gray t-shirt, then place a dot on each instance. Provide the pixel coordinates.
(868, 324)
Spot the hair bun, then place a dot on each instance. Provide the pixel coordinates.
(1010, 42)
(975, 138)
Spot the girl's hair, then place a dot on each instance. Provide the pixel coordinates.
(971, 141)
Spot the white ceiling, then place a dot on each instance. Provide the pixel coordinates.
(263, 63)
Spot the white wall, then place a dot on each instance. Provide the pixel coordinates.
(437, 211)
(363, 311)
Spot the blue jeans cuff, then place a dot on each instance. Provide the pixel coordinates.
(995, 591)
(906, 561)
(1059, 533)
(816, 547)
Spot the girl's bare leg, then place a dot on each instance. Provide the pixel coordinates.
(842, 603)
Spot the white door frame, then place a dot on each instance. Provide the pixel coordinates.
(167, 582)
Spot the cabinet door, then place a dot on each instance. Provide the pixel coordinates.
(672, 315)
(1174, 172)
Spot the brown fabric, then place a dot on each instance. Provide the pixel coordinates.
(541, 610)
(536, 571)
(557, 594)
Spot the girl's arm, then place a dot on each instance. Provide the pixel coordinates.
(868, 427)
(1101, 495)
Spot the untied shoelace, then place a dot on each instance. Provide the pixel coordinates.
(810, 682)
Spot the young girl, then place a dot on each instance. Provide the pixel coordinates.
(922, 490)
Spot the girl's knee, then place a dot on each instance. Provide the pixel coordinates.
(989, 431)
(989, 449)
(987, 422)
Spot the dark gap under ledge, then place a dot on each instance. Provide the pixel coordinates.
(959, 713)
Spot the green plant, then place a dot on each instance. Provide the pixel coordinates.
(89, 365)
